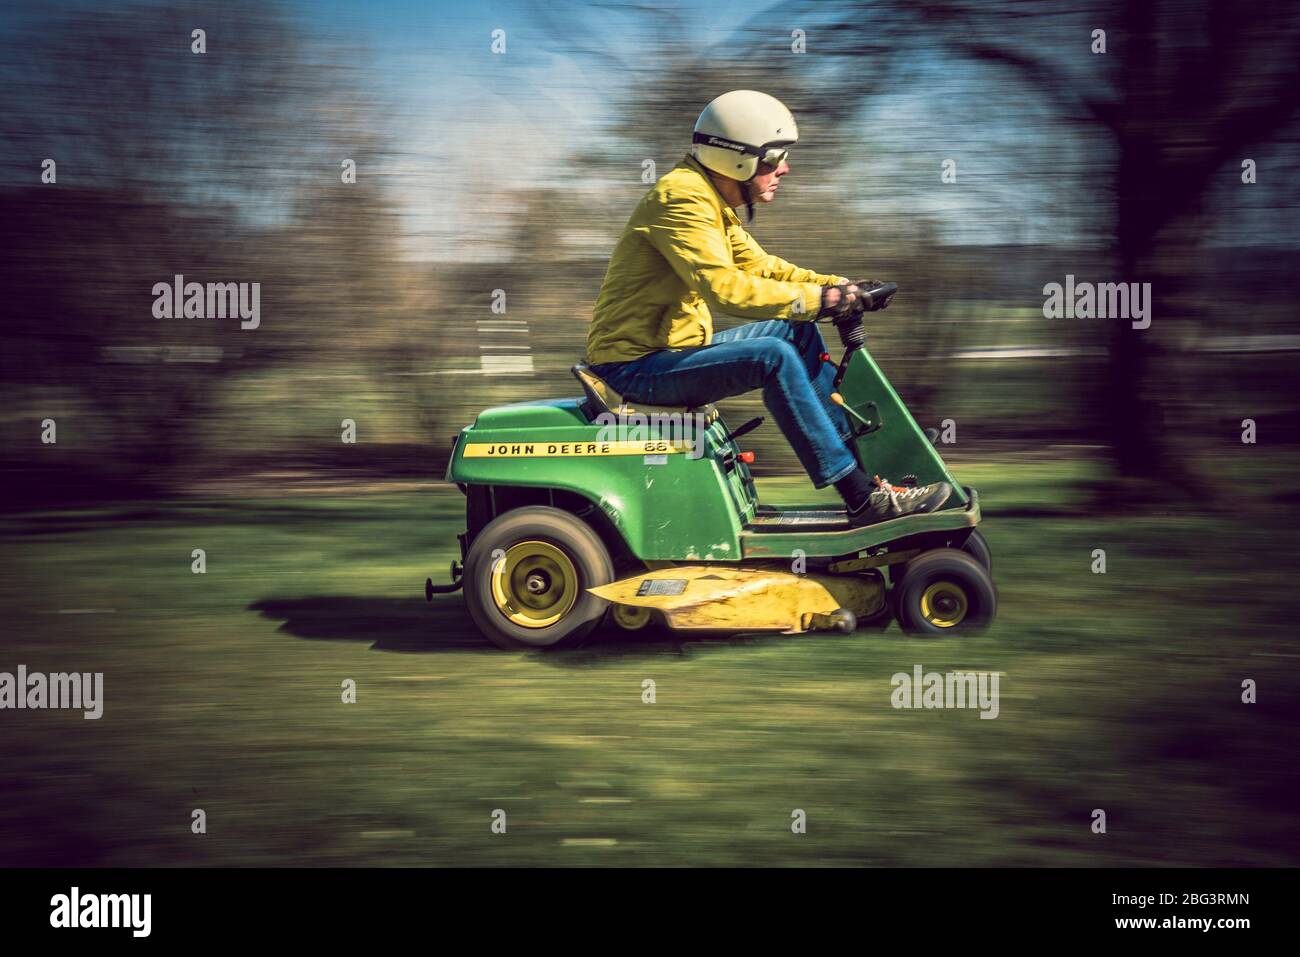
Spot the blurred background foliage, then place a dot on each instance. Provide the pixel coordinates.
(1115, 167)
(479, 172)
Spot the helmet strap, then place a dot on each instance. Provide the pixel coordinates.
(749, 200)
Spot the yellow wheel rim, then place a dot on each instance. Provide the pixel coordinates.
(944, 604)
(534, 584)
(631, 617)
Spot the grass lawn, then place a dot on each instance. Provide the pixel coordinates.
(222, 691)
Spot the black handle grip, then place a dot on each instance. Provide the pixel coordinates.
(877, 296)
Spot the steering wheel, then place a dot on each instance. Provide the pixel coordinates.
(875, 298)
(878, 296)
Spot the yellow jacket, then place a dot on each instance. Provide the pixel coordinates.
(682, 254)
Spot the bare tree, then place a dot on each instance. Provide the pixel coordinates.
(1180, 95)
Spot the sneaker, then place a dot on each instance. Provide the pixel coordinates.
(893, 501)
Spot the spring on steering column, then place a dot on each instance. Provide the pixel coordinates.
(852, 333)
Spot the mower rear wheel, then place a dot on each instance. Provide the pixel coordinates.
(945, 591)
(527, 575)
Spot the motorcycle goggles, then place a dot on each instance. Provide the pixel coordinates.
(772, 154)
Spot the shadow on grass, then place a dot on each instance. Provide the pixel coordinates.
(418, 627)
(389, 624)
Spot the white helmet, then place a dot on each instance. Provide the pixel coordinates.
(738, 129)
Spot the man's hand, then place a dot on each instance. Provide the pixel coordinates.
(851, 299)
(867, 285)
(841, 302)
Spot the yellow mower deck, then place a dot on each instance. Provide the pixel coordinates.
(727, 598)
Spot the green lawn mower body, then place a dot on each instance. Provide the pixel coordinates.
(583, 506)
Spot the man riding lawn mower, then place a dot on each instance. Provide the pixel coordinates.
(684, 253)
(565, 526)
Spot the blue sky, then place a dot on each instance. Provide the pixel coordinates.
(475, 121)
(472, 127)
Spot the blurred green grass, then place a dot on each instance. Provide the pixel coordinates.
(1119, 691)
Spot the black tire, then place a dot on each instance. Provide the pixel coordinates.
(896, 573)
(556, 529)
(878, 621)
(963, 594)
(976, 546)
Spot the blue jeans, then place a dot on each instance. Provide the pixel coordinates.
(779, 356)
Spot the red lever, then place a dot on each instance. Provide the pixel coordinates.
(746, 457)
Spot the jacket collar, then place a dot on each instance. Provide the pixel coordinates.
(728, 213)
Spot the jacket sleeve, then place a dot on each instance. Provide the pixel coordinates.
(685, 230)
(749, 256)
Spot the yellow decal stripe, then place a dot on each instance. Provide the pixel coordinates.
(508, 450)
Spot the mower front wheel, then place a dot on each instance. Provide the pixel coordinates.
(976, 546)
(527, 575)
(945, 591)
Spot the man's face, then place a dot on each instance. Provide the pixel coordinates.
(766, 181)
